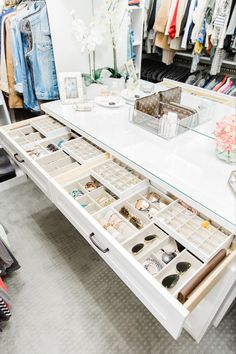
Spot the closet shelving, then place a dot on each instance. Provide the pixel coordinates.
(137, 18)
(207, 60)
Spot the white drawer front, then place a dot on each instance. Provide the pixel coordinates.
(28, 165)
(169, 312)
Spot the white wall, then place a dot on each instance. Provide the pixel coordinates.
(67, 53)
(68, 56)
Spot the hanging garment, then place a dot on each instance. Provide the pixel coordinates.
(3, 66)
(216, 80)
(152, 16)
(228, 84)
(161, 40)
(131, 51)
(150, 40)
(147, 10)
(198, 16)
(220, 21)
(230, 88)
(232, 22)
(168, 56)
(188, 24)
(172, 29)
(14, 99)
(2, 14)
(218, 58)
(170, 14)
(22, 73)
(185, 17)
(180, 14)
(218, 86)
(175, 43)
(41, 57)
(233, 93)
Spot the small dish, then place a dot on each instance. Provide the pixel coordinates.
(109, 101)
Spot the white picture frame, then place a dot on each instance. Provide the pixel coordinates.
(131, 70)
(71, 87)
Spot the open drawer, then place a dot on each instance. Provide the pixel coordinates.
(162, 303)
(37, 149)
(84, 193)
(24, 161)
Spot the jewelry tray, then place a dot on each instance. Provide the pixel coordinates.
(118, 177)
(187, 227)
(82, 150)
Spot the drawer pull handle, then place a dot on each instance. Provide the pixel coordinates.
(18, 159)
(91, 236)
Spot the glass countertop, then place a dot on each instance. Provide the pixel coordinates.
(186, 165)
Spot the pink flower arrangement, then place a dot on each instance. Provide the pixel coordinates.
(226, 133)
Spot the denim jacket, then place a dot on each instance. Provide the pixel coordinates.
(22, 72)
(42, 58)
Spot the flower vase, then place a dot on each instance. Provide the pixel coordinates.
(90, 78)
(228, 156)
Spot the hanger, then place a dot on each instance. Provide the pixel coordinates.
(41, 4)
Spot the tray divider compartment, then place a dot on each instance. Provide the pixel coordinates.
(185, 277)
(101, 217)
(184, 234)
(133, 212)
(139, 238)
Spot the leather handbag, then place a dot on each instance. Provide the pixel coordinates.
(171, 95)
(149, 105)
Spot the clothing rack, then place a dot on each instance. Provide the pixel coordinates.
(21, 38)
(198, 42)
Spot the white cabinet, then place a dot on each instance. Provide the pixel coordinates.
(90, 187)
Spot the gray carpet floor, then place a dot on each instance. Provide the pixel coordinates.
(66, 300)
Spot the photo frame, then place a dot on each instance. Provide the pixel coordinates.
(131, 70)
(232, 181)
(71, 87)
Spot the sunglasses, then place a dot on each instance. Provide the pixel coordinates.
(138, 248)
(132, 219)
(170, 281)
(51, 147)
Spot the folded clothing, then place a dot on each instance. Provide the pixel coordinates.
(7, 171)
(156, 71)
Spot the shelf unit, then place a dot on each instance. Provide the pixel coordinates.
(137, 19)
(207, 60)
